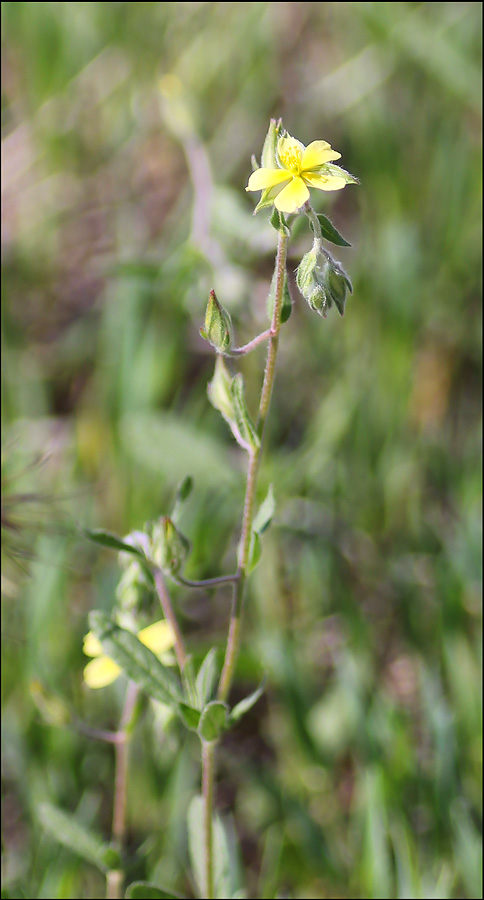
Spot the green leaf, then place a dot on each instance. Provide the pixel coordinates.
(189, 716)
(136, 660)
(330, 233)
(278, 222)
(183, 492)
(207, 674)
(213, 721)
(255, 551)
(244, 705)
(144, 890)
(106, 539)
(188, 678)
(265, 513)
(224, 857)
(70, 833)
(286, 299)
(245, 432)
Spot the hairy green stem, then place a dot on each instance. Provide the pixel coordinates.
(115, 877)
(233, 640)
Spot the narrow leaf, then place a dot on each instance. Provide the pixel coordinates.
(286, 299)
(244, 432)
(106, 539)
(255, 551)
(278, 222)
(189, 716)
(207, 674)
(189, 685)
(265, 513)
(144, 890)
(330, 233)
(213, 721)
(70, 833)
(136, 660)
(244, 705)
(225, 866)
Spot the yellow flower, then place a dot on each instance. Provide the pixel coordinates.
(300, 168)
(102, 670)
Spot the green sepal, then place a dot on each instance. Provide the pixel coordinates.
(269, 149)
(286, 308)
(330, 233)
(70, 833)
(331, 169)
(144, 890)
(213, 721)
(137, 662)
(241, 708)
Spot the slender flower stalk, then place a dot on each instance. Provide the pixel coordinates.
(169, 614)
(233, 640)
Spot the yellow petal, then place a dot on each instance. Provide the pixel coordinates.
(317, 153)
(266, 178)
(290, 153)
(292, 197)
(91, 645)
(325, 182)
(157, 637)
(100, 672)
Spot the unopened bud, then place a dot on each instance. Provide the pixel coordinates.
(218, 325)
(169, 547)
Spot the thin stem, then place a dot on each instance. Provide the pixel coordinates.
(115, 877)
(208, 582)
(170, 617)
(264, 336)
(233, 639)
(208, 778)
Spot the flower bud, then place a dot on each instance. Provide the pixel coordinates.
(322, 281)
(218, 325)
(169, 547)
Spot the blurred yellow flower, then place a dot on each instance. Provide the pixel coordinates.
(300, 168)
(102, 670)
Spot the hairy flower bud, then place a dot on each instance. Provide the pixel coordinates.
(169, 547)
(218, 325)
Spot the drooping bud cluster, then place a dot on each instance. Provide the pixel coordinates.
(322, 281)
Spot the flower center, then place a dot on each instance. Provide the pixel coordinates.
(291, 157)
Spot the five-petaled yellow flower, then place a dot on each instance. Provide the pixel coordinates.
(300, 168)
(102, 670)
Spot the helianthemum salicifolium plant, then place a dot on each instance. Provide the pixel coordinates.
(125, 643)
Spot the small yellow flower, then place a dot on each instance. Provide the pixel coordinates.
(300, 168)
(102, 670)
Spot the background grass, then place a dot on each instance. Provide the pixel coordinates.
(127, 135)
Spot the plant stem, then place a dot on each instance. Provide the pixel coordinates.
(115, 877)
(233, 639)
(208, 777)
(208, 582)
(239, 351)
(169, 614)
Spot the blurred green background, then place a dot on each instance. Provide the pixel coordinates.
(127, 135)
